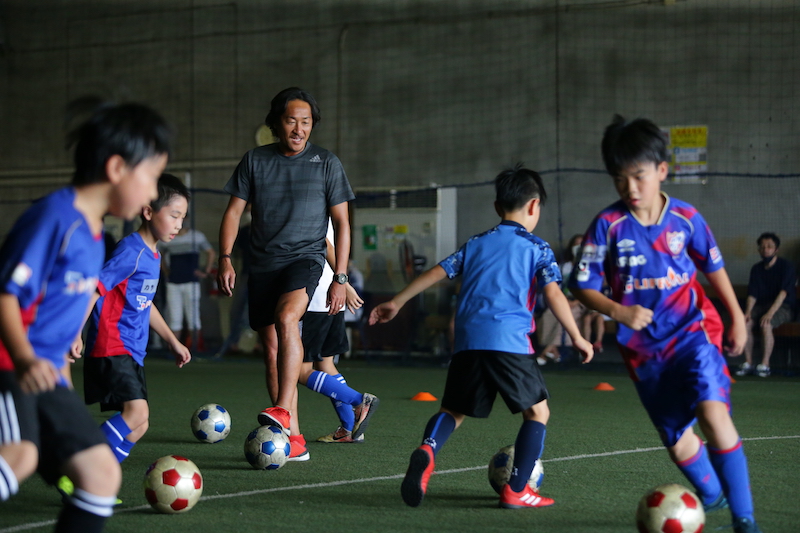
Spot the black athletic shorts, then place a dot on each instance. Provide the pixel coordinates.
(56, 421)
(264, 289)
(112, 381)
(476, 376)
(323, 335)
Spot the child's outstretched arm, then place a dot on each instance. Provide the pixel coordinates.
(159, 325)
(560, 307)
(33, 373)
(388, 310)
(635, 317)
(736, 336)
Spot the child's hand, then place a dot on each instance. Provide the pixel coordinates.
(182, 354)
(735, 339)
(585, 349)
(75, 350)
(353, 300)
(635, 317)
(36, 375)
(383, 313)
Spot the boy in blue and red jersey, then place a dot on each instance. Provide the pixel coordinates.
(49, 267)
(649, 247)
(122, 317)
(502, 272)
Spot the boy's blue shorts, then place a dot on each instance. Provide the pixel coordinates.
(672, 392)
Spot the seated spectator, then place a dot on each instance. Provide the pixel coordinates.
(770, 302)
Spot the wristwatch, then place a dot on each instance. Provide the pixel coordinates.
(341, 279)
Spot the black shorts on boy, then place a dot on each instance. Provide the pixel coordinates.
(112, 381)
(323, 335)
(266, 288)
(56, 421)
(475, 377)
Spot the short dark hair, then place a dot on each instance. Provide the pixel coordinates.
(133, 131)
(769, 235)
(516, 186)
(169, 187)
(281, 101)
(628, 142)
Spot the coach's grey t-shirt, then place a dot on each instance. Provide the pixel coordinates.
(290, 198)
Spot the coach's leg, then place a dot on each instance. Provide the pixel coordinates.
(290, 310)
(269, 341)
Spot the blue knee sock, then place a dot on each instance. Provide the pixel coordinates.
(701, 474)
(115, 430)
(332, 388)
(438, 430)
(731, 467)
(343, 410)
(527, 449)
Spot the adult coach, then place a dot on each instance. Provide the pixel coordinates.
(293, 186)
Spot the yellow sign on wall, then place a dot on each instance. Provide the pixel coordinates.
(688, 146)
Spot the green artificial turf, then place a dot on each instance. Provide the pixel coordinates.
(601, 456)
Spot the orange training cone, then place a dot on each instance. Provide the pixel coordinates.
(603, 386)
(424, 397)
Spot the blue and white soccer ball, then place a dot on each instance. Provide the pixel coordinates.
(501, 465)
(267, 448)
(211, 423)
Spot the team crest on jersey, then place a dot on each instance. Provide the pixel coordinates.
(22, 273)
(143, 301)
(675, 241)
(715, 255)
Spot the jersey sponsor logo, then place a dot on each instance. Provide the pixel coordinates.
(149, 286)
(315, 159)
(716, 257)
(676, 241)
(671, 280)
(631, 260)
(626, 245)
(76, 283)
(143, 301)
(22, 273)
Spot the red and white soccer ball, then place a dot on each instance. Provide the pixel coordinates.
(173, 484)
(670, 508)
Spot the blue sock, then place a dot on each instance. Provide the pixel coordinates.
(527, 449)
(731, 467)
(332, 388)
(438, 430)
(701, 474)
(343, 410)
(115, 430)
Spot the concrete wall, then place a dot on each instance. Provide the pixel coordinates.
(417, 92)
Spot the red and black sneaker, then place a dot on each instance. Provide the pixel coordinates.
(420, 468)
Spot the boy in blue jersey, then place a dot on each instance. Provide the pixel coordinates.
(123, 313)
(502, 271)
(649, 248)
(49, 267)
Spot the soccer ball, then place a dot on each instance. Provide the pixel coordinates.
(500, 470)
(267, 448)
(173, 484)
(211, 423)
(670, 508)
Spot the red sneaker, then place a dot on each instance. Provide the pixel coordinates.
(524, 499)
(299, 451)
(275, 416)
(420, 468)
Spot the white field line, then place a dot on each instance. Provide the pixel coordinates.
(34, 525)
